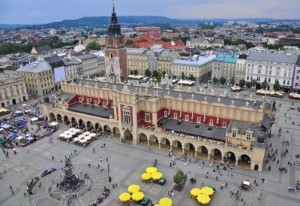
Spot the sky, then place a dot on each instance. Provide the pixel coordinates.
(45, 11)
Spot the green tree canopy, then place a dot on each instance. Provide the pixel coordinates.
(129, 42)
(265, 84)
(93, 46)
(180, 178)
(155, 74)
(215, 80)
(182, 75)
(242, 83)
(253, 82)
(148, 73)
(192, 78)
(276, 86)
(222, 80)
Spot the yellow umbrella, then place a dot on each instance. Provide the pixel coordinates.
(133, 188)
(165, 201)
(124, 197)
(151, 170)
(146, 176)
(207, 191)
(138, 196)
(203, 199)
(195, 192)
(156, 175)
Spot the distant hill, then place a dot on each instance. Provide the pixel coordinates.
(130, 20)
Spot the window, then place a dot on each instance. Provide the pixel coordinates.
(165, 113)
(175, 115)
(198, 119)
(224, 124)
(186, 117)
(248, 137)
(258, 79)
(126, 115)
(147, 117)
(211, 122)
(234, 134)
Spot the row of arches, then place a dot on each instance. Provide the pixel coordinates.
(190, 149)
(177, 146)
(91, 126)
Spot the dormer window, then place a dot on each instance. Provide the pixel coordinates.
(234, 134)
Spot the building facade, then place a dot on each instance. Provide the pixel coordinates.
(39, 77)
(270, 67)
(296, 76)
(115, 52)
(224, 65)
(90, 64)
(12, 90)
(200, 67)
(240, 68)
(165, 60)
(140, 60)
(200, 125)
(73, 68)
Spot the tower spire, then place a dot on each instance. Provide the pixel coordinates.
(113, 6)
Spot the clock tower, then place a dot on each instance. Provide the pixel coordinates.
(115, 52)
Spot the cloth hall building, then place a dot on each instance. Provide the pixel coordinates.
(211, 127)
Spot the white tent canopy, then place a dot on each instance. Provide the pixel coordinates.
(53, 124)
(34, 119)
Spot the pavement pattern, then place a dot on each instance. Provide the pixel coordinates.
(127, 162)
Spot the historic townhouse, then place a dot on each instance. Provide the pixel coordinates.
(270, 67)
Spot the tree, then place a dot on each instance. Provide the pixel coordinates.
(163, 74)
(148, 73)
(222, 80)
(155, 74)
(159, 76)
(276, 86)
(180, 179)
(128, 42)
(232, 80)
(93, 46)
(253, 82)
(192, 78)
(264, 85)
(135, 72)
(242, 83)
(182, 75)
(215, 80)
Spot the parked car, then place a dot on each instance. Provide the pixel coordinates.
(162, 181)
(145, 202)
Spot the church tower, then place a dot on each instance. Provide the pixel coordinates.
(115, 52)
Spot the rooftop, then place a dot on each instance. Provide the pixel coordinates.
(93, 110)
(242, 127)
(272, 57)
(175, 93)
(9, 78)
(193, 129)
(201, 61)
(36, 67)
(227, 58)
(136, 51)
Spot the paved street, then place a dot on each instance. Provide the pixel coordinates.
(128, 162)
